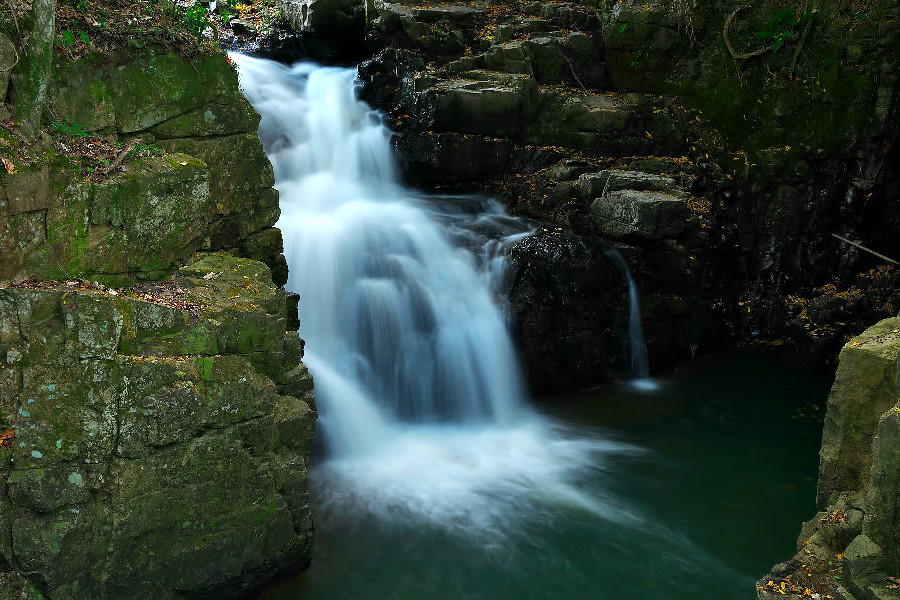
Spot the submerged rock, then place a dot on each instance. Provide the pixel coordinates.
(160, 437)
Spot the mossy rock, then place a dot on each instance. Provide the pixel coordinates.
(866, 386)
(141, 425)
(175, 96)
(142, 222)
(211, 191)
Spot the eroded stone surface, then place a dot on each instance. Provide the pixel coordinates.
(158, 451)
(211, 189)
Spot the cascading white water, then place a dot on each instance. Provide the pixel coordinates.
(420, 395)
(640, 362)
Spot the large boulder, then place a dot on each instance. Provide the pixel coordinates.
(866, 386)
(883, 493)
(145, 221)
(156, 438)
(859, 480)
(573, 58)
(624, 214)
(133, 93)
(570, 304)
(207, 184)
(480, 102)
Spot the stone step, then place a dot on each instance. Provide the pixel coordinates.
(572, 59)
(514, 106)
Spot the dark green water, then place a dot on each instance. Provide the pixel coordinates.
(726, 477)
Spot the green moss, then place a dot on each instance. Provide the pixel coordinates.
(204, 365)
(820, 105)
(146, 220)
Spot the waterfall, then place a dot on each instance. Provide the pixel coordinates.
(420, 395)
(640, 363)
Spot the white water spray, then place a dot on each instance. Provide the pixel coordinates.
(420, 395)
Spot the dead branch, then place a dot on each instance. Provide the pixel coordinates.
(575, 75)
(806, 28)
(863, 248)
(119, 158)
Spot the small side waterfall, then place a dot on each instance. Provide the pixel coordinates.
(640, 363)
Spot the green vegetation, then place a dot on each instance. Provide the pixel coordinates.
(89, 25)
(197, 19)
(68, 37)
(70, 128)
(780, 28)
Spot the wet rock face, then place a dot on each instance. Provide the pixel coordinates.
(210, 188)
(525, 112)
(334, 17)
(155, 448)
(858, 494)
(565, 297)
(573, 301)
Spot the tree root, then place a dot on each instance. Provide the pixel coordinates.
(731, 49)
(799, 47)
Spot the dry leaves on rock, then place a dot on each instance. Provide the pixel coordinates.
(7, 437)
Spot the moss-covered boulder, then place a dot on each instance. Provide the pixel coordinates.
(858, 524)
(157, 437)
(141, 223)
(866, 386)
(175, 96)
(204, 183)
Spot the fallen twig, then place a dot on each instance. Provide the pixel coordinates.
(119, 158)
(574, 74)
(870, 251)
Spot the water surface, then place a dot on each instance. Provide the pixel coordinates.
(722, 475)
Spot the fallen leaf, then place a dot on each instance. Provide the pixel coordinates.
(7, 437)
(8, 164)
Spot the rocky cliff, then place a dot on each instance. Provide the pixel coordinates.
(714, 145)
(851, 548)
(192, 141)
(155, 415)
(155, 439)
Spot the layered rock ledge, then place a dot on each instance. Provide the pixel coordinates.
(732, 173)
(156, 440)
(204, 184)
